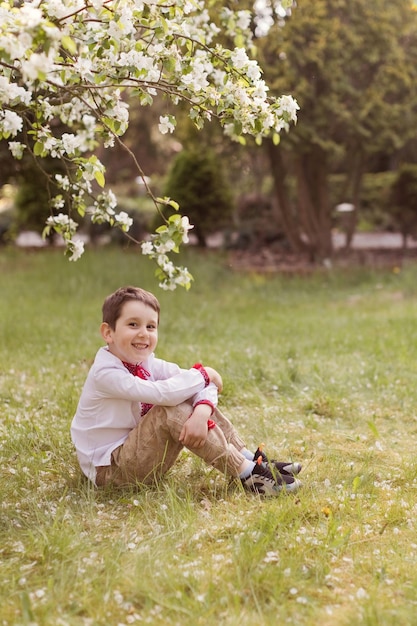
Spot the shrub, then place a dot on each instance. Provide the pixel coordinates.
(36, 187)
(403, 199)
(7, 223)
(374, 209)
(197, 182)
(258, 223)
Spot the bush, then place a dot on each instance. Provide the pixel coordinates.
(374, 210)
(35, 189)
(403, 199)
(7, 223)
(197, 182)
(258, 223)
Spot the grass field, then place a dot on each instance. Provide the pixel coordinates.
(323, 369)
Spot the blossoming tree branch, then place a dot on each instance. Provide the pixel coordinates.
(66, 67)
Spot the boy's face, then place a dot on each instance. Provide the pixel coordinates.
(136, 333)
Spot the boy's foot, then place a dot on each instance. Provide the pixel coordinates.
(282, 467)
(263, 482)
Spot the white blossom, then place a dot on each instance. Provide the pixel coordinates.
(57, 8)
(121, 112)
(166, 246)
(185, 227)
(38, 65)
(239, 58)
(147, 247)
(76, 248)
(167, 285)
(62, 221)
(253, 70)
(58, 202)
(10, 122)
(63, 181)
(84, 67)
(10, 92)
(111, 198)
(183, 277)
(123, 220)
(16, 148)
(29, 16)
(70, 143)
(165, 124)
(289, 105)
(243, 19)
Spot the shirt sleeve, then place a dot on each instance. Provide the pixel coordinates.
(209, 393)
(113, 382)
(161, 369)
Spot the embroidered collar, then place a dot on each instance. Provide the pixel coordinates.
(137, 370)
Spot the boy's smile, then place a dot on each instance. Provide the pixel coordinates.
(135, 335)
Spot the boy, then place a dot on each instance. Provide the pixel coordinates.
(136, 412)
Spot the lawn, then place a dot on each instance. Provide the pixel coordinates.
(320, 368)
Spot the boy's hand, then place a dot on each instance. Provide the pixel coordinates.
(194, 432)
(214, 377)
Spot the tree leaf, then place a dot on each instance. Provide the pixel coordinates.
(99, 176)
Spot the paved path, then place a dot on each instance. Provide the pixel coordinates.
(368, 241)
(361, 241)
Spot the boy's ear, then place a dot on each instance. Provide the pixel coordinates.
(106, 332)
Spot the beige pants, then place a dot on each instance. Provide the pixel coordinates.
(153, 446)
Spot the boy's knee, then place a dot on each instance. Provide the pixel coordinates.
(177, 416)
(180, 412)
(184, 409)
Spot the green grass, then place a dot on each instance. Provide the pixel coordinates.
(322, 368)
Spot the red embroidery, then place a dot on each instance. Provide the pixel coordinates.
(208, 402)
(140, 372)
(202, 371)
(210, 423)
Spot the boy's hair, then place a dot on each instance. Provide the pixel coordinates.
(113, 304)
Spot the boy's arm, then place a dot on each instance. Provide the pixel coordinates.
(214, 377)
(165, 369)
(195, 429)
(114, 382)
(169, 384)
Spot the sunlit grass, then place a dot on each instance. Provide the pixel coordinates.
(322, 369)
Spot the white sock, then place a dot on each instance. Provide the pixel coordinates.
(247, 454)
(247, 468)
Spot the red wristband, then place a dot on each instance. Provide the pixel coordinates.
(203, 372)
(208, 402)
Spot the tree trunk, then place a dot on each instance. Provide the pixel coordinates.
(200, 236)
(308, 225)
(351, 192)
(285, 211)
(313, 203)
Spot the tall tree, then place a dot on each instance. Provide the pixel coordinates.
(71, 63)
(352, 67)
